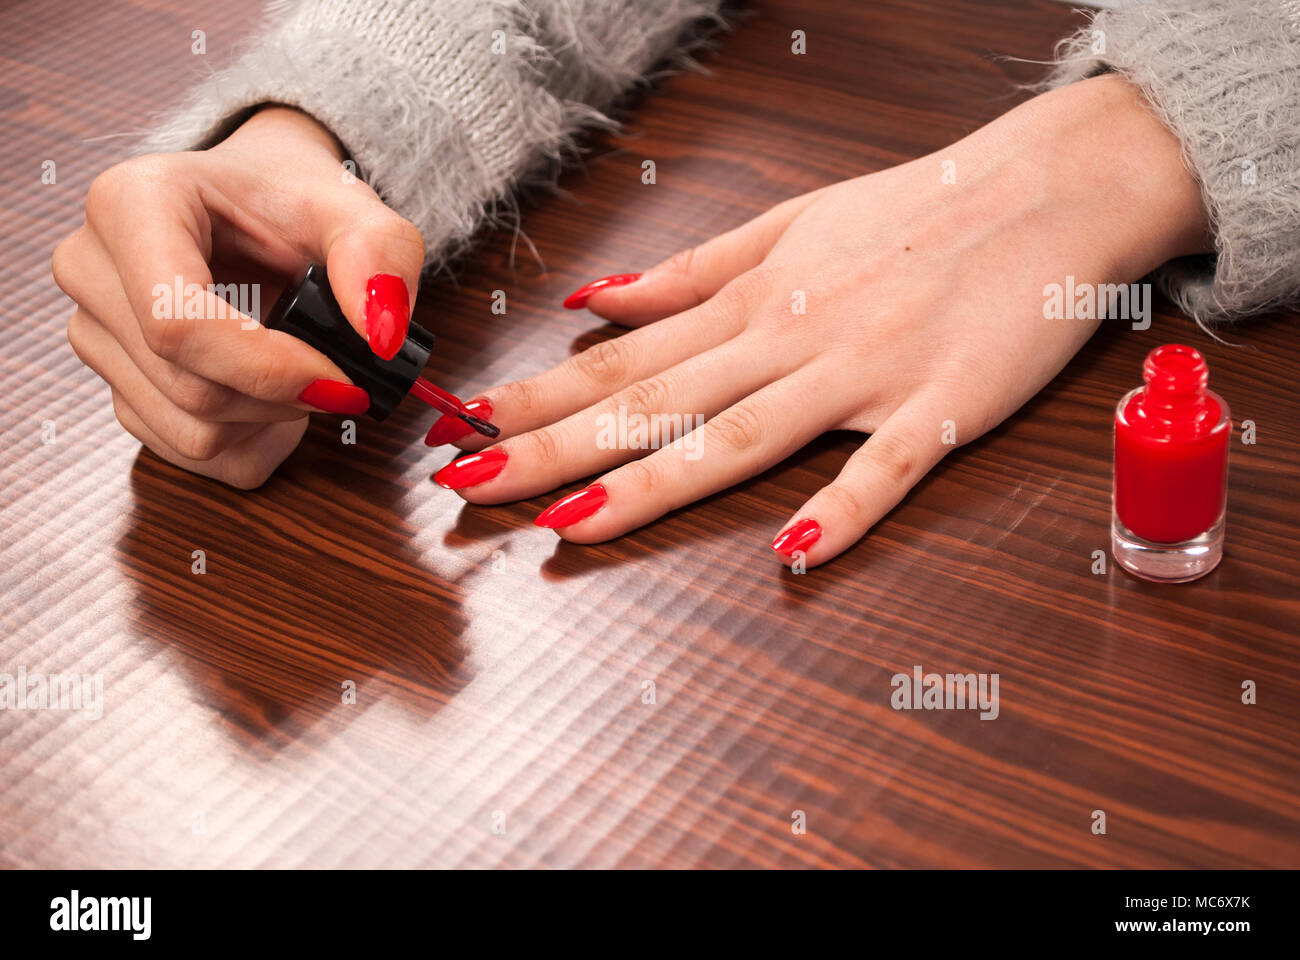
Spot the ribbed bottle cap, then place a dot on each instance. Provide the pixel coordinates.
(307, 309)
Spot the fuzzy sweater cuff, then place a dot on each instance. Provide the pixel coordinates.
(444, 105)
(1224, 75)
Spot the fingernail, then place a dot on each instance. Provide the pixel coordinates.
(578, 299)
(449, 429)
(334, 396)
(574, 507)
(388, 314)
(798, 536)
(471, 470)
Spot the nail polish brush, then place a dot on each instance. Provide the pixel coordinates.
(440, 399)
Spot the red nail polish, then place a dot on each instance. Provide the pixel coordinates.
(574, 507)
(799, 536)
(578, 299)
(333, 396)
(1171, 470)
(388, 314)
(449, 429)
(471, 470)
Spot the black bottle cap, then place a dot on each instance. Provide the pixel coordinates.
(307, 309)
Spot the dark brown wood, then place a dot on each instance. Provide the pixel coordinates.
(498, 670)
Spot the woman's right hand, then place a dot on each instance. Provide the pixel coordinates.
(218, 394)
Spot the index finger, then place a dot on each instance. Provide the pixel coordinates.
(155, 228)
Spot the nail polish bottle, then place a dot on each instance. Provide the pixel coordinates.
(307, 309)
(1171, 470)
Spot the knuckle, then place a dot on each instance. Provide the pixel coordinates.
(681, 262)
(197, 395)
(198, 440)
(252, 464)
(166, 336)
(746, 290)
(543, 448)
(608, 363)
(248, 473)
(641, 476)
(63, 263)
(106, 190)
(124, 416)
(103, 192)
(739, 428)
(404, 232)
(650, 394)
(845, 502)
(522, 396)
(268, 381)
(895, 456)
(399, 237)
(77, 334)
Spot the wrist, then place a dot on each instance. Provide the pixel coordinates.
(1121, 168)
(274, 128)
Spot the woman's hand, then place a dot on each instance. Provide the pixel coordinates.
(200, 384)
(908, 304)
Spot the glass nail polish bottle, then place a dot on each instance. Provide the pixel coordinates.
(1171, 470)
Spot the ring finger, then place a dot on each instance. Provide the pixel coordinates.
(745, 439)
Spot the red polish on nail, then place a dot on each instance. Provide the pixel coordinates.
(471, 470)
(574, 507)
(388, 314)
(449, 429)
(578, 299)
(333, 396)
(799, 536)
(1171, 469)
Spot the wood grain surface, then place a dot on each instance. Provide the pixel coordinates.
(499, 672)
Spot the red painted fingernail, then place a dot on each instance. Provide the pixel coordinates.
(799, 536)
(578, 299)
(574, 507)
(449, 429)
(471, 470)
(334, 396)
(388, 314)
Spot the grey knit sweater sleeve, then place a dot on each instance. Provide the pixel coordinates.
(444, 105)
(1224, 75)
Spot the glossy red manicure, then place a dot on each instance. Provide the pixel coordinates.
(574, 507)
(799, 536)
(471, 470)
(449, 429)
(578, 299)
(334, 396)
(388, 314)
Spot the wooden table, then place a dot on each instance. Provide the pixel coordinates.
(499, 716)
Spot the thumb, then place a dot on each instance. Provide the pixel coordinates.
(373, 257)
(688, 278)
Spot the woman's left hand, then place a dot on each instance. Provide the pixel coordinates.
(906, 304)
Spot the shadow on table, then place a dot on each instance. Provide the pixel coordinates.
(307, 587)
